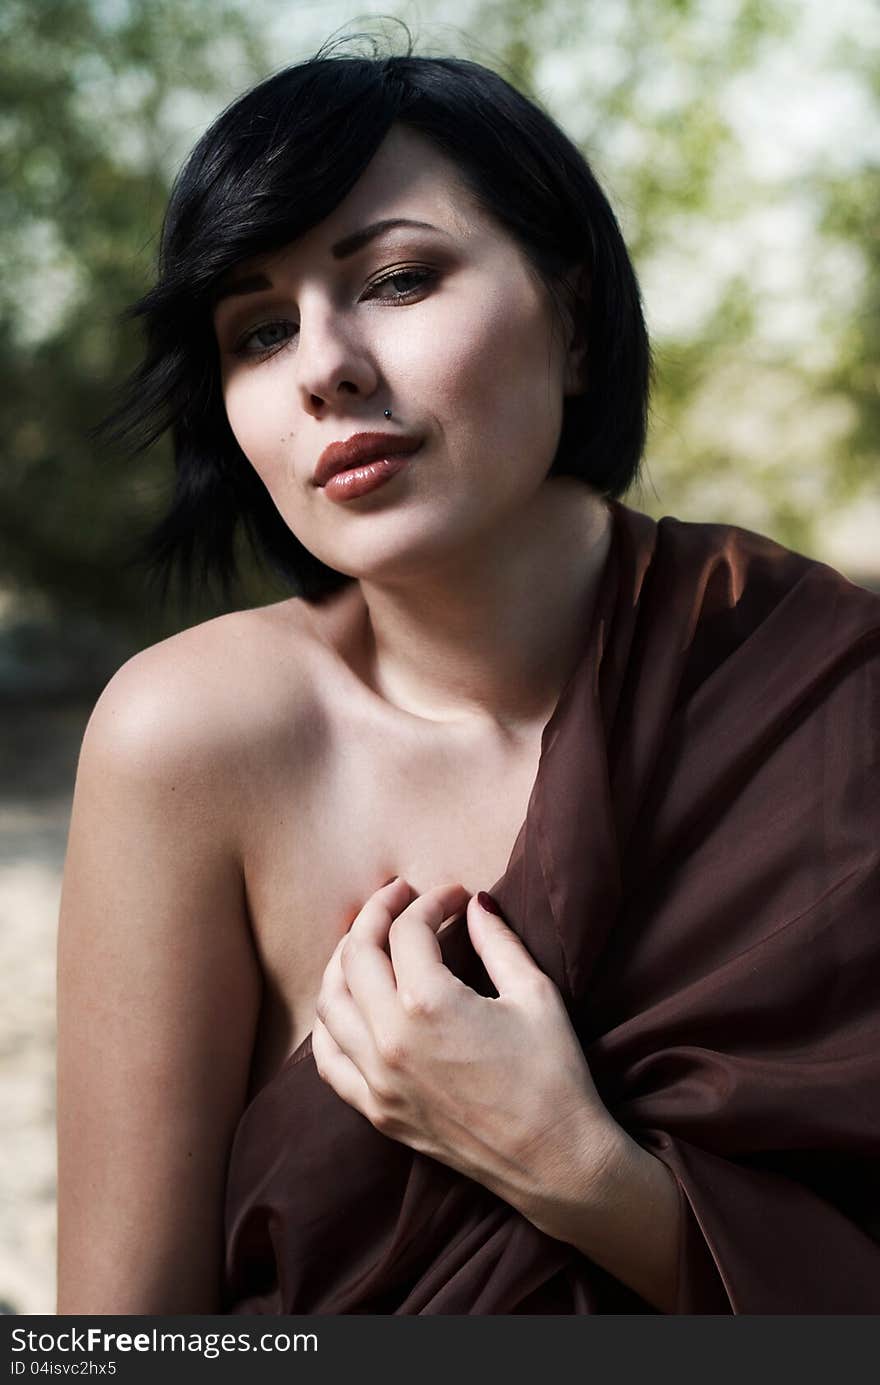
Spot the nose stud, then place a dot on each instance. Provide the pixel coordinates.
(387, 413)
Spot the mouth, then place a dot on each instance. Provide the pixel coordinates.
(359, 450)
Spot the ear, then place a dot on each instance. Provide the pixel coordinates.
(576, 291)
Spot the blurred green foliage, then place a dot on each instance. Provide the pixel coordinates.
(737, 142)
(102, 97)
(94, 95)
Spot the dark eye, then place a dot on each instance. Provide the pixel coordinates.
(265, 338)
(403, 283)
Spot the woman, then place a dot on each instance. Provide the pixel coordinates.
(307, 1062)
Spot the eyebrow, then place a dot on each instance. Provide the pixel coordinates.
(342, 250)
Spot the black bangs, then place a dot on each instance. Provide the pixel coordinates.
(247, 188)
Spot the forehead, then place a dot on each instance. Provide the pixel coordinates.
(406, 173)
(407, 178)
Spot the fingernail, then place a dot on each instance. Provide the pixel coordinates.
(485, 901)
(390, 881)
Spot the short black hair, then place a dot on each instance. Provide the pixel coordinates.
(275, 163)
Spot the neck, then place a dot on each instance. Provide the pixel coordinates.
(488, 638)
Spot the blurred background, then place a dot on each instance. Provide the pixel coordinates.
(739, 143)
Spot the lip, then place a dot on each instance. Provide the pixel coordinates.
(359, 449)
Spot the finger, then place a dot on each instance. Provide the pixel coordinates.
(369, 976)
(506, 959)
(365, 964)
(337, 1070)
(381, 909)
(368, 969)
(340, 1016)
(415, 952)
(437, 905)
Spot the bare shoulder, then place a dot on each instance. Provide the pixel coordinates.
(209, 704)
(159, 980)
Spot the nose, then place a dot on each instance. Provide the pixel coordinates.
(333, 362)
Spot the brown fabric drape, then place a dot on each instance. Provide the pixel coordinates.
(699, 872)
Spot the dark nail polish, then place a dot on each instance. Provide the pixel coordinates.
(485, 901)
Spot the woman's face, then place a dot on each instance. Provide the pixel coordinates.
(444, 324)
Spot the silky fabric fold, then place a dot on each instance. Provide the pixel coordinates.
(699, 873)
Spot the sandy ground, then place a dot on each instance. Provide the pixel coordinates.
(38, 752)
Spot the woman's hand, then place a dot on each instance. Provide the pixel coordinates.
(496, 1088)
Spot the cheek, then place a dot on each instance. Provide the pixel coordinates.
(258, 407)
(257, 421)
(503, 376)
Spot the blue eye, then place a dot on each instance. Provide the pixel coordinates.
(268, 337)
(406, 280)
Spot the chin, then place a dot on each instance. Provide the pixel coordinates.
(395, 538)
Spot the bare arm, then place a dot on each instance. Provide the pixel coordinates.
(622, 1210)
(158, 996)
